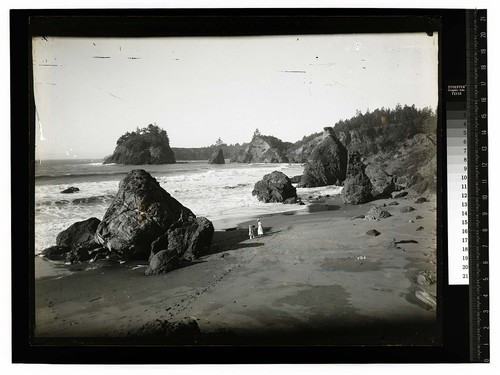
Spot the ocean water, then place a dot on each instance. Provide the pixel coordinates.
(221, 193)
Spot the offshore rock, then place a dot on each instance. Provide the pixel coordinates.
(275, 187)
(263, 149)
(217, 157)
(149, 145)
(140, 212)
(70, 190)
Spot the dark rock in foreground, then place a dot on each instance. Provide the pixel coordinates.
(217, 157)
(373, 232)
(184, 241)
(274, 187)
(327, 164)
(56, 252)
(76, 243)
(357, 186)
(80, 235)
(70, 190)
(420, 200)
(140, 213)
(191, 238)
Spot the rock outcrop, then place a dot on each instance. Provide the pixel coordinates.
(76, 243)
(70, 190)
(357, 186)
(140, 213)
(149, 145)
(383, 184)
(184, 241)
(327, 163)
(301, 151)
(80, 235)
(56, 252)
(400, 141)
(143, 220)
(263, 149)
(377, 213)
(275, 187)
(217, 157)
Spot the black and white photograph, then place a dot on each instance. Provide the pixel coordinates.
(237, 190)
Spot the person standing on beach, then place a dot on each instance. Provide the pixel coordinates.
(251, 231)
(260, 230)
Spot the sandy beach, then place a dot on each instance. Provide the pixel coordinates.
(314, 278)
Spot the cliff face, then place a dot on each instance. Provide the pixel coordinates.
(204, 153)
(263, 149)
(400, 142)
(149, 145)
(301, 151)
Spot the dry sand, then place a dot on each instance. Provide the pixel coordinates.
(314, 278)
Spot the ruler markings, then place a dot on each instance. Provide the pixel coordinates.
(478, 186)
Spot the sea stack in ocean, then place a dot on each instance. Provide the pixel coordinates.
(141, 212)
(149, 145)
(327, 162)
(217, 157)
(263, 149)
(275, 187)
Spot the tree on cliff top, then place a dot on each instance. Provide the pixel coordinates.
(149, 145)
(151, 132)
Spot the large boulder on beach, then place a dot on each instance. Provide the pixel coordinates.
(274, 187)
(327, 163)
(184, 241)
(217, 157)
(80, 235)
(191, 238)
(56, 252)
(140, 212)
(357, 186)
(383, 184)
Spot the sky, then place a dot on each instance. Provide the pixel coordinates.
(90, 91)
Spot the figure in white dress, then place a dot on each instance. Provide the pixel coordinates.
(260, 230)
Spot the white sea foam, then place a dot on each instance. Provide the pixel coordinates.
(216, 192)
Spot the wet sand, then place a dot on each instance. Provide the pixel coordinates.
(314, 278)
